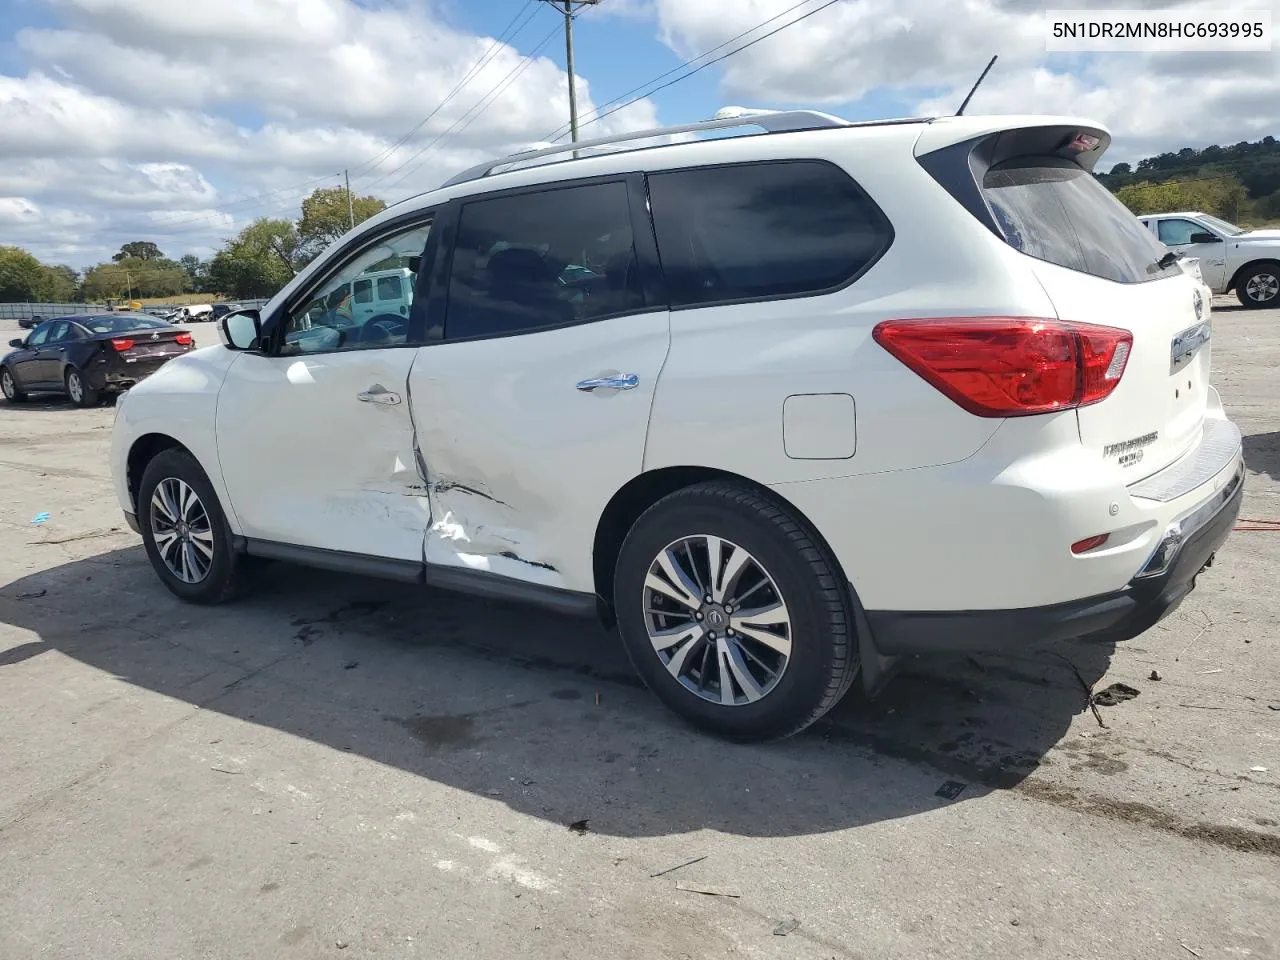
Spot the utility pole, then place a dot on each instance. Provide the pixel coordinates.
(568, 7)
(351, 209)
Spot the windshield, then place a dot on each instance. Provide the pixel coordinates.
(122, 324)
(1230, 229)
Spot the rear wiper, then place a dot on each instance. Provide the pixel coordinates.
(1168, 260)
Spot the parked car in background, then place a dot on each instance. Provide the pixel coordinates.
(26, 323)
(220, 310)
(195, 313)
(1231, 257)
(89, 357)
(701, 390)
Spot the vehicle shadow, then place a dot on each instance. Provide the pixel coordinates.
(540, 712)
(1262, 453)
(53, 403)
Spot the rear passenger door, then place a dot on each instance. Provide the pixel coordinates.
(532, 402)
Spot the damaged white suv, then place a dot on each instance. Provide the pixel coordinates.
(784, 407)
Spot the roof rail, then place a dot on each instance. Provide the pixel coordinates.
(771, 121)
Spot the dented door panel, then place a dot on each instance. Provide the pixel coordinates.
(521, 461)
(308, 462)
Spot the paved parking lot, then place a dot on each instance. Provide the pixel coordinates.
(342, 767)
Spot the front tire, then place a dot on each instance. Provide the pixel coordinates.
(12, 392)
(78, 389)
(772, 649)
(185, 531)
(1259, 288)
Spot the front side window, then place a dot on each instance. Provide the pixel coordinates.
(58, 332)
(329, 319)
(39, 335)
(533, 261)
(763, 230)
(1176, 232)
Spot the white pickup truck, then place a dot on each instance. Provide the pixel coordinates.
(1231, 258)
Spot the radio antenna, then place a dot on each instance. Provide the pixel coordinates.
(991, 64)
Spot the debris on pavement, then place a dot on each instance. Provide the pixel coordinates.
(40, 518)
(351, 665)
(785, 926)
(1154, 675)
(1088, 690)
(35, 595)
(234, 773)
(1183, 944)
(707, 891)
(340, 944)
(950, 789)
(1257, 769)
(579, 826)
(1115, 694)
(678, 866)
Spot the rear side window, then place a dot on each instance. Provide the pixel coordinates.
(1054, 210)
(763, 231)
(364, 291)
(389, 288)
(534, 261)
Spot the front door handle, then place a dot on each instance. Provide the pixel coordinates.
(379, 394)
(623, 381)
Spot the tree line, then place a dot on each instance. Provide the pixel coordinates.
(257, 262)
(1240, 183)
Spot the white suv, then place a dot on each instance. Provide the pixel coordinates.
(785, 407)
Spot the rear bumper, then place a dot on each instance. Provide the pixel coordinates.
(117, 375)
(1188, 548)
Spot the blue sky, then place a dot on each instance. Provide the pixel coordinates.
(185, 119)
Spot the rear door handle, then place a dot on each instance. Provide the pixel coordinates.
(378, 394)
(623, 381)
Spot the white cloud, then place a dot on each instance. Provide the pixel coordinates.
(857, 47)
(159, 115)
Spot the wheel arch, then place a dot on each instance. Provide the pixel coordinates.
(642, 492)
(143, 450)
(1245, 268)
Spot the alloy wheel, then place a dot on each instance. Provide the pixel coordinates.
(1262, 287)
(75, 389)
(7, 385)
(181, 529)
(717, 620)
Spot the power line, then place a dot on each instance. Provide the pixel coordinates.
(485, 60)
(563, 129)
(469, 117)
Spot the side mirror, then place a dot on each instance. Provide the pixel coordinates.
(1204, 236)
(17, 344)
(242, 330)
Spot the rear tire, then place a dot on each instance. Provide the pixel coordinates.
(78, 389)
(786, 664)
(1259, 287)
(12, 392)
(185, 531)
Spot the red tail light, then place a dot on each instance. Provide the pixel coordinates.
(184, 339)
(1011, 366)
(122, 344)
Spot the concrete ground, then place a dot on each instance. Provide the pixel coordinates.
(342, 767)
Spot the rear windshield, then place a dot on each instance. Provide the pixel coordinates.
(1054, 210)
(123, 324)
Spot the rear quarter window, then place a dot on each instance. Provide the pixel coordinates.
(1054, 210)
(763, 231)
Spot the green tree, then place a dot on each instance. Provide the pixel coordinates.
(136, 277)
(139, 250)
(22, 276)
(326, 217)
(1221, 196)
(197, 271)
(61, 284)
(263, 258)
